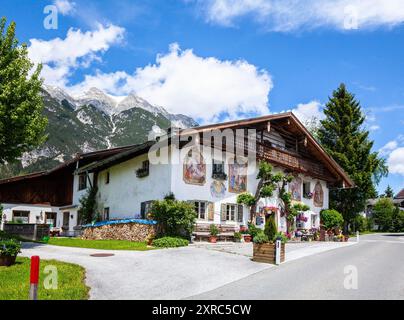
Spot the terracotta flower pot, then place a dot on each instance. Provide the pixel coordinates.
(247, 238)
(212, 239)
(6, 261)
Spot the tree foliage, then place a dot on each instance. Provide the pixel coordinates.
(389, 193)
(270, 228)
(331, 219)
(21, 122)
(87, 208)
(268, 183)
(343, 136)
(383, 213)
(175, 218)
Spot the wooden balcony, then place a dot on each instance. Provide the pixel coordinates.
(290, 161)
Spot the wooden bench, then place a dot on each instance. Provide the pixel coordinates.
(226, 232)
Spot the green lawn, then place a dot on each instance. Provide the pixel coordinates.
(14, 281)
(99, 244)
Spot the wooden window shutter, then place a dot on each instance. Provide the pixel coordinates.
(240, 213)
(211, 211)
(223, 212)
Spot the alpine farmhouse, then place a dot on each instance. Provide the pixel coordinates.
(128, 181)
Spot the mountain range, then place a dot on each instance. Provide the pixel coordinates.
(92, 121)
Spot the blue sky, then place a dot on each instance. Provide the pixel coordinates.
(225, 59)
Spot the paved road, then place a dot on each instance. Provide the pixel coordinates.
(168, 274)
(379, 260)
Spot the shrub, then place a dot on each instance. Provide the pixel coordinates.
(270, 228)
(253, 230)
(214, 231)
(383, 212)
(237, 236)
(361, 223)
(170, 242)
(175, 218)
(10, 247)
(281, 236)
(398, 220)
(6, 236)
(87, 208)
(331, 219)
(260, 237)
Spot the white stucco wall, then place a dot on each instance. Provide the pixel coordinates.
(125, 192)
(77, 194)
(35, 212)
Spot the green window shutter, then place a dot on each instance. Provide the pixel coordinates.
(211, 211)
(223, 212)
(240, 213)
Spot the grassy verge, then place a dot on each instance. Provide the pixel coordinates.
(70, 281)
(99, 244)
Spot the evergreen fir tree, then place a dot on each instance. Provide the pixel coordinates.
(389, 193)
(21, 122)
(343, 136)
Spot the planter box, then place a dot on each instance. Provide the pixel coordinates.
(265, 252)
(6, 261)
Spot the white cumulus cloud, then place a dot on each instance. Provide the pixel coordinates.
(388, 147)
(183, 82)
(309, 112)
(294, 15)
(395, 161)
(65, 7)
(61, 56)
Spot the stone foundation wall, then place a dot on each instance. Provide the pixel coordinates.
(127, 231)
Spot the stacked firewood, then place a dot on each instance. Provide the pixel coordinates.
(124, 231)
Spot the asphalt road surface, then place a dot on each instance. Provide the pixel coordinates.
(378, 262)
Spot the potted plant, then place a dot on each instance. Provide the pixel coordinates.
(237, 237)
(214, 231)
(8, 251)
(251, 233)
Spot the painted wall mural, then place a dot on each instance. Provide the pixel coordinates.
(295, 188)
(238, 177)
(217, 189)
(318, 195)
(194, 168)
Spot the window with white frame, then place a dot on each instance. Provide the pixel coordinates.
(231, 210)
(201, 209)
(21, 216)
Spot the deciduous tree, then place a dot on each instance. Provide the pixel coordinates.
(22, 124)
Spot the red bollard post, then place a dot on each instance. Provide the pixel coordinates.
(34, 278)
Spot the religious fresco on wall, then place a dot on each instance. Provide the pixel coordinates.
(217, 189)
(237, 177)
(295, 188)
(194, 168)
(318, 195)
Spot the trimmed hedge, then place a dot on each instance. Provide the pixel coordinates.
(170, 242)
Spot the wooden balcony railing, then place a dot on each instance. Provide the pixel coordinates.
(285, 158)
(289, 160)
